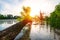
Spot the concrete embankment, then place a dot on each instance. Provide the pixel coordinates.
(11, 32)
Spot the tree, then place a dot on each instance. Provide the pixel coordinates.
(15, 17)
(25, 14)
(9, 16)
(26, 11)
(1, 16)
(55, 17)
(57, 10)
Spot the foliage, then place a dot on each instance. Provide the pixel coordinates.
(57, 9)
(55, 17)
(47, 19)
(19, 19)
(25, 14)
(9, 16)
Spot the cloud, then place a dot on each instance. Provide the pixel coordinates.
(15, 6)
(45, 6)
(10, 6)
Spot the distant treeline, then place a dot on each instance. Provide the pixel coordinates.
(9, 16)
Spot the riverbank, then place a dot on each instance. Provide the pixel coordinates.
(57, 31)
(7, 19)
(11, 32)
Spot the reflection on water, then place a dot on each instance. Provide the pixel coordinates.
(24, 34)
(6, 23)
(38, 32)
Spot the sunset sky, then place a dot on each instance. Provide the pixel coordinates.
(14, 7)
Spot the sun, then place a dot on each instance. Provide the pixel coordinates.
(32, 15)
(34, 11)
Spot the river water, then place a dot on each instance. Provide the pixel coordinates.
(35, 31)
(7, 23)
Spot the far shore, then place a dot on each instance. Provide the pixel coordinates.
(8, 19)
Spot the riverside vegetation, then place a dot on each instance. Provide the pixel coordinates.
(54, 18)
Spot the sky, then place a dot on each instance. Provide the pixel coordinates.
(14, 7)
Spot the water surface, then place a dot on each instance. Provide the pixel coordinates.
(38, 32)
(7, 23)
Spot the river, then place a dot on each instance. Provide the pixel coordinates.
(7, 23)
(35, 31)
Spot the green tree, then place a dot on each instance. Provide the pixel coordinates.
(55, 17)
(57, 10)
(9, 16)
(1, 16)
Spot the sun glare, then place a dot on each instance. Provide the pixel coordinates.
(38, 6)
(32, 15)
(34, 11)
